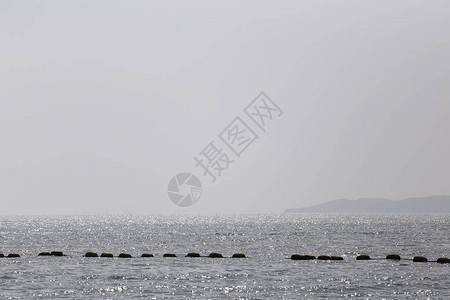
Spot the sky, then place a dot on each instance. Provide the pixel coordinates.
(104, 102)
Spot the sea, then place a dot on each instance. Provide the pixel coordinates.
(267, 271)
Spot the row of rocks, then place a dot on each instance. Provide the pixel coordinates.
(127, 255)
(443, 260)
(236, 255)
(191, 254)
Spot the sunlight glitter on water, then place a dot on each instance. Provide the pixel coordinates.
(268, 242)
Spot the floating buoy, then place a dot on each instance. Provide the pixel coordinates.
(91, 254)
(106, 255)
(169, 255)
(420, 259)
(443, 260)
(125, 255)
(238, 255)
(193, 254)
(147, 255)
(302, 257)
(336, 258)
(393, 256)
(363, 257)
(215, 255)
(323, 257)
(44, 254)
(13, 255)
(56, 253)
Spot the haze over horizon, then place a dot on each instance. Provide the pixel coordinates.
(103, 102)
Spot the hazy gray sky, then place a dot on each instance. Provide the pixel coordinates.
(102, 102)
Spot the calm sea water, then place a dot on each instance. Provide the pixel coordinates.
(266, 273)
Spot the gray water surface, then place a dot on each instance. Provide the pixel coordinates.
(267, 273)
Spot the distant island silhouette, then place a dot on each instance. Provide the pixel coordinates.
(430, 204)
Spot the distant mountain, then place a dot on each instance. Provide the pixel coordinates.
(431, 204)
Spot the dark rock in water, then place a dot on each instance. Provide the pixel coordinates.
(323, 257)
(363, 257)
(169, 255)
(13, 255)
(215, 255)
(420, 259)
(443, 260)
(336, 258)
(308, 257)
(44, 254)
(91, 254)
(302, 257)
(393, 256)
(147, 255)
(193, 254)
(106, 255)
(125, 255)
(238, 255)
(56, 253)
(2, 255)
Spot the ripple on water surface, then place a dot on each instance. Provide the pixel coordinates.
(267, 241)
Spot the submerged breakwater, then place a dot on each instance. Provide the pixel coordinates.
(442, 260)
